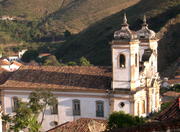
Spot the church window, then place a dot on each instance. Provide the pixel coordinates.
(143, 107)
(122, 61)
(99, 109)
(121, 104)
(76, 108)
(136, 60)
(15, 104)
(54, 109)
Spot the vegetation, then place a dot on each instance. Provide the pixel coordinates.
(51, 60)
(165, 105)
(30, 55)
(84, 62)
(175, 88)
(29, 9)
(57, 21)
(26, 113)
(120, 120)
(93, 42)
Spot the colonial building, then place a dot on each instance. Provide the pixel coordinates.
(130, 85)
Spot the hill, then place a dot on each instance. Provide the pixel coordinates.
(89, 24)
(77, 15)
(93, 42)
(30, 9)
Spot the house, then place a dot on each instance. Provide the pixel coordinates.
(130, 85)
(7, 18)
(44, 55)
(10, 66)
(21, 53)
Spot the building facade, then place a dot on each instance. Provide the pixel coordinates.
(130, 85)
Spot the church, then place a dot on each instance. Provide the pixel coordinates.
(130, 85)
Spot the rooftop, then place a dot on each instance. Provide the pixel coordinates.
(82, 125)
(62, 77)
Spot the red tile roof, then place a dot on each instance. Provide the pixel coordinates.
(4, 75)
(4, 62)
(62, 77)
(44, 54)
(171, 113)
(16, 63)
(171, 93)
(82, 125)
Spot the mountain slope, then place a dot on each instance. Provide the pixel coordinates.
(30, 9)
(93, 42)
(79, 14)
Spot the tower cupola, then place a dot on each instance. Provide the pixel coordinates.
(145, 32)
(124, 33)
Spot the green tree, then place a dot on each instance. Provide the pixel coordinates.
(71, 63)
(51, 60)
(121, 119)
(26, 114)
(84, 62)
(30, 55)
(67, 34)
(39, 100)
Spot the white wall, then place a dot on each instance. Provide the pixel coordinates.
(121, 76)
(117, 106)
(65, 113)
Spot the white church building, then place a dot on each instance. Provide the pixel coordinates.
(130, 85)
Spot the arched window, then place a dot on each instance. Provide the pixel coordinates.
(136, 60)
(15, 104)
(76, 107)
(122, 61)
(99, 109)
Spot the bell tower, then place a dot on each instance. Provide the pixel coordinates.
(125, 58)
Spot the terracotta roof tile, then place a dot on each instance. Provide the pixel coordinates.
(171, 113)
(4, 75)
(4, 62)
(81, 125)
(62, 77)
(16, 63)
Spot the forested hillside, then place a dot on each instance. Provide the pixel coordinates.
(93, 42)
(86, 26)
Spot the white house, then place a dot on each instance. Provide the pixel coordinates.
(130, 85)
(9, 66)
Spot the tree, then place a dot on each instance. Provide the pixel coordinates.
(39, 100)
(51, 60)
(121, 119)
(84, 62)
(71, 63)
(27, 113)
(30, 55)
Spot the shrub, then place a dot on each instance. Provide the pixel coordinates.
(84, 62)
(71, 63)
(51, 61)
(121, 119)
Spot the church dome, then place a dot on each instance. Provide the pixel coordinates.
(145, 32)
(125, 33)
